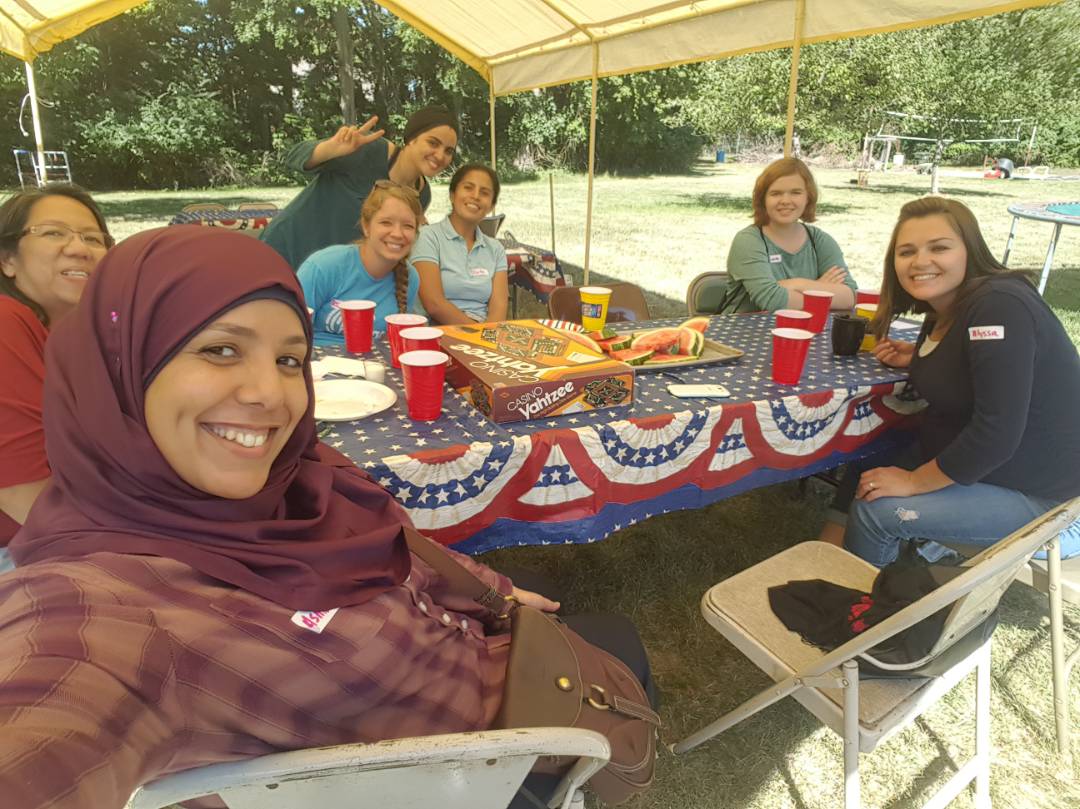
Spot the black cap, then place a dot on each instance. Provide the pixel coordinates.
(428, 118)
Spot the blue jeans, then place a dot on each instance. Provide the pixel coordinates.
(979, 514)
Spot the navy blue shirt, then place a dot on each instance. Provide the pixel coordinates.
(1003, 387)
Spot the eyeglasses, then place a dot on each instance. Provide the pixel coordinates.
(61, 236)
(392, 184)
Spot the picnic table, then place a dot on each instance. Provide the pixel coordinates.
(477, 485)
(1058, 213)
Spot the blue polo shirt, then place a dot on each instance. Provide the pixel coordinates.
(337, 273)
(467, 275)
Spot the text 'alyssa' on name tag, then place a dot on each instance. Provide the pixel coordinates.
(986, 333)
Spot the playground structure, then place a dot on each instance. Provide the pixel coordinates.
(884, 144)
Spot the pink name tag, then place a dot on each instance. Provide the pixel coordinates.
(314, 620)
(986, 333)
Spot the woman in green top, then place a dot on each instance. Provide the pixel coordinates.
(772, 262)
(344, 168)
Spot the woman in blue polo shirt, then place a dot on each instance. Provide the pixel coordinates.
(463, 270)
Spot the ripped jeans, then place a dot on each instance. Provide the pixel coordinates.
(979, 514)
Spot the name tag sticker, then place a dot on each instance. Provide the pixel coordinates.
(775, 258)
(314, 620)
(478, 272)
(986, 333)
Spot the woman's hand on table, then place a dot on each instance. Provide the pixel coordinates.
(535, 600)
(894, 353)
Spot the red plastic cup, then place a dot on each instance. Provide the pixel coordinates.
(420, 338)
(817, 304)
(793, 319)
(359, 322)
(394, 326)
(790, 347)
(424, 372)
(867, 296)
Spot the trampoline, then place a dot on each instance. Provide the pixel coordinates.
(1057, 213)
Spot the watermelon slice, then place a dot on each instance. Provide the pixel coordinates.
(698, 324)
(605, 333)
(632, 356)
(690, 341)
(616, 343)
(660, 340)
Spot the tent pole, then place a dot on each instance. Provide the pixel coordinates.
(592, 158)
(793, 83)
(36, 115)
(551, 194)
(491, 96)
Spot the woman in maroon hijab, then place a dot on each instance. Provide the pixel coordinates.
(202, 581)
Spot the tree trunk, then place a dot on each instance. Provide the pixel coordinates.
(345, 60)
(939, 150)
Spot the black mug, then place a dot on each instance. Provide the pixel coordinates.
(847, 333)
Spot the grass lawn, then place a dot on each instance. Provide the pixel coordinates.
(660, 232)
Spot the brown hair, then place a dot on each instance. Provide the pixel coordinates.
(13, 216)
(981, 263)
(380, 193)
(784, 167)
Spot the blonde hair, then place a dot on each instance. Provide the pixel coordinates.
(380, 193)
(785, 167)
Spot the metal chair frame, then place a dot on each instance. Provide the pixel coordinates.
(481, 770)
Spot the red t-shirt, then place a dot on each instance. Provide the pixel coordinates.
(22, 377)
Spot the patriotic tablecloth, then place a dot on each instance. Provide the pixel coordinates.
(244, 219)
(577, 478)
(533, 269)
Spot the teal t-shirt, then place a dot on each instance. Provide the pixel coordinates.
(328, 211)
(337, 273)
(466, 275)
(755, 266)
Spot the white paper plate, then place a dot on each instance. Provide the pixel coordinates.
(350, 399)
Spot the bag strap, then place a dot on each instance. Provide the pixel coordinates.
(462, 581)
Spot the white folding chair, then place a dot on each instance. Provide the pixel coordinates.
(866, 713)
(457, 771)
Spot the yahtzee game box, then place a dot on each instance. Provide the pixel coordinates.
(519, 370)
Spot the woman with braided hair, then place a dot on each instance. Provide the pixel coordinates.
(375, 268)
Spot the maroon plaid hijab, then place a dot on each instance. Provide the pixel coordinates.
(320, 534)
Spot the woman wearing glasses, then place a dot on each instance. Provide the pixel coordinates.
(374, 268)
(51, 239)
(345, 166)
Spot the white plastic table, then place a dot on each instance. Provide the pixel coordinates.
(1058, 213)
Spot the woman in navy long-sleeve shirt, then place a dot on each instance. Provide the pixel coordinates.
(999, 444)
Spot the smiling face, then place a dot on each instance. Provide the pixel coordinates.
(786, 200)
(390, 232)
(931, 260)
(223, 408)
(473, 198)
(47, 269)
(431, 151)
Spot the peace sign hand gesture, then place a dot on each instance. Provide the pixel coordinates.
(347, 140)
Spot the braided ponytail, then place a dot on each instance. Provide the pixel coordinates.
(401, 286)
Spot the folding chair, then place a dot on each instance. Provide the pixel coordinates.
(627, 304)
(456, 771)
(867, 713)
(1060, 582)
(706, 293)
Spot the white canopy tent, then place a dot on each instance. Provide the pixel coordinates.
(519, 45)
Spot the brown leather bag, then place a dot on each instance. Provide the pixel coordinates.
(555, 678)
